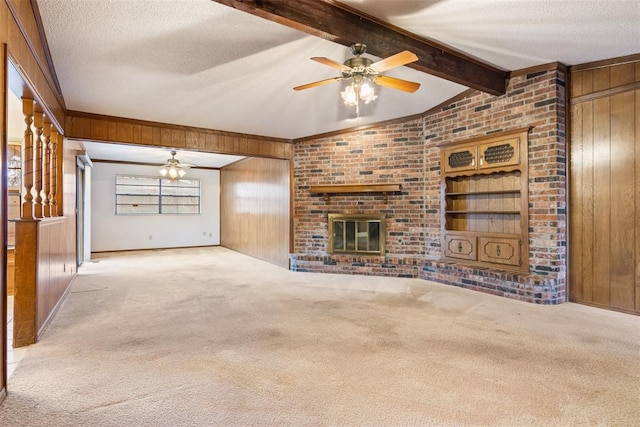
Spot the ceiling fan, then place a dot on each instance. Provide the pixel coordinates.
(173, 168)
(365, 73)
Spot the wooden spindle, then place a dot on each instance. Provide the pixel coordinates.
(53, 195)
(46, 169)
(38, 124)
(27, 160)
(60, 174)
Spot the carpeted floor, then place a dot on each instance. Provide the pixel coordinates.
(207, 336)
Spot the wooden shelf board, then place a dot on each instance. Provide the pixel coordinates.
(482, 193)
(484, 212)
(355, 188)
(486, 234)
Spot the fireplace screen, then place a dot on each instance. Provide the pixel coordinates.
(357, 234)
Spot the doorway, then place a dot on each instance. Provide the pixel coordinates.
(12, 188)
(83, 209)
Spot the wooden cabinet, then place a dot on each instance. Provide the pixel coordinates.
(484, 192)
(13, 212)
(11, 271)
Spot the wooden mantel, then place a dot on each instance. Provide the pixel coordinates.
(385, 189)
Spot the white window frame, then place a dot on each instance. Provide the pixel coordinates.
(158, 195)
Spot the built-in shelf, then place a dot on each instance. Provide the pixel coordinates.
(482, 193)
(485, 212)
(385, 189)
(484, 199)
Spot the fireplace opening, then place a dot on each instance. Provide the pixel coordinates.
(357, 234)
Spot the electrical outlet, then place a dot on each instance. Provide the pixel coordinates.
(209, 234)
(150, 237)
(204, 233)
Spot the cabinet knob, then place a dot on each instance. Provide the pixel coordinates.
(459, 246)
(498, 250)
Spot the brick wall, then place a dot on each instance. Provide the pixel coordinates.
(391, 154)
(408, 153)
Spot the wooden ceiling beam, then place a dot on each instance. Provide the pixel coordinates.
(342, 24)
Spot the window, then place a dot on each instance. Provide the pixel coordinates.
(139, 195)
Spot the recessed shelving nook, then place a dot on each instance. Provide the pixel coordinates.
(484, 200)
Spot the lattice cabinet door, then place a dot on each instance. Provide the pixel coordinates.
(500, 153)
(460, 159)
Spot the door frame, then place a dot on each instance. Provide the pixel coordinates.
(83, 209)
(4, 84)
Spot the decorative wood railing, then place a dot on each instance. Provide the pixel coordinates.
(40, 278)
(41, 177)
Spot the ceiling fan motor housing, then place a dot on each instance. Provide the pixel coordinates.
(358, 65)
(358, 48)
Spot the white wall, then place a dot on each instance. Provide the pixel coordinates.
(110, 232)
(86, 256)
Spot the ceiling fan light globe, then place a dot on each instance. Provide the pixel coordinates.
(173, 173)
(349, 96)
(163, 171)
(181, 173)
(367, 92)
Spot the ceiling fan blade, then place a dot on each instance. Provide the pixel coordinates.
(331, 63)
(397, 60)
(393, 83)
(318, 83)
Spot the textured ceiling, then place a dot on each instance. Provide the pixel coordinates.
(515, 34)
(200, 63)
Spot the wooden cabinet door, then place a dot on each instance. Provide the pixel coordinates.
(460, 246)
(460, 159)
(499, 250)
(500, 153)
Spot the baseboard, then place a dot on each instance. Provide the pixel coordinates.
(604, 307)
(55, 309)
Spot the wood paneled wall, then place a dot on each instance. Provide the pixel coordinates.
(120, 130)
(43, 276)
(604, 242)
(29, 54)
(255, 209)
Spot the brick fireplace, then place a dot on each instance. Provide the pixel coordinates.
(407, 152)
(357, 234)
(364, 158)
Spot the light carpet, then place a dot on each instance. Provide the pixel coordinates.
(207, 336)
